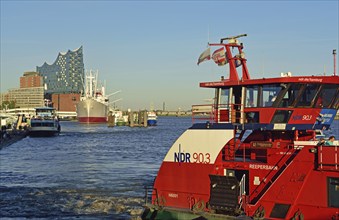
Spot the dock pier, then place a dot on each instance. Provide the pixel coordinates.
(128, 118)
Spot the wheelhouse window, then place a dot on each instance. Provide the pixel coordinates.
(269, 95)
(327, 96)
(252, 96)
(308, 94)
(336, 101)
(224, 98)
(291, 95)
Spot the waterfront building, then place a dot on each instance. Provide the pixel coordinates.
(31, 79)
(4, 98)
(26, 97)
(29, 95)
(65, 102)
(65, 75)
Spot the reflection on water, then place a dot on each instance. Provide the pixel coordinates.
(87, 172)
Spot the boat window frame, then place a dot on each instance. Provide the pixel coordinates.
(332, 103)
(300, 93)
(225, 103)
(256, 92)
(261, 101)
(281, 95)
(297, 104)
(335, 103)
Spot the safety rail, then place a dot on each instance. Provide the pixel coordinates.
(203, 112)
(244, 151)
(242, 190)
(222, 113)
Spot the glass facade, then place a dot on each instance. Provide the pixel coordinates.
(66, 74)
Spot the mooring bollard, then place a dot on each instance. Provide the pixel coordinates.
(145, 118)
(131, 119)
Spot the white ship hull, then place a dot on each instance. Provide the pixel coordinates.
(90, 110)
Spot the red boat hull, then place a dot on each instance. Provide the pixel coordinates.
(178, 184)
(92, 119)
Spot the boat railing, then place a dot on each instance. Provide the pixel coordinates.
(221, 113)
(242, 190)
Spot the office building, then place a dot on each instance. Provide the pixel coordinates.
(26, 97)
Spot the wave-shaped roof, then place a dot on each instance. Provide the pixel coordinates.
(79, 49)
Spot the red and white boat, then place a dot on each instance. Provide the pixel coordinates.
(93, 105)
(253, 153)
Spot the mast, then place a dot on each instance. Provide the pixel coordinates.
(334, 61)
(233, 42)
(90, 77)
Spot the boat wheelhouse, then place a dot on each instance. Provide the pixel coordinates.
(152, 118)
(253, 152)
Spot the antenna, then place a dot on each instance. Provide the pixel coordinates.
(334, 60)
(208, 35)
(232, 39)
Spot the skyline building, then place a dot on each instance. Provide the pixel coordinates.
(65, 75)
(29, 97)
(31, 79)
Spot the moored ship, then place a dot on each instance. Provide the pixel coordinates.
(93, 104)
(44, 123)
(152, 118)
(253, 152)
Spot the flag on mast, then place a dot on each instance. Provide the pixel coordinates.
(219, 57)
(206, 55)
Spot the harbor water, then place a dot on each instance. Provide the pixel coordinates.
(88, 171)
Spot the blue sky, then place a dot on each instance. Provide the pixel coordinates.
(149, 49)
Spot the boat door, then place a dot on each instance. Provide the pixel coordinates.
(222, 104)
(236, 107)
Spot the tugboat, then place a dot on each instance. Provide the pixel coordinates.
(45, 123)
(253, 153)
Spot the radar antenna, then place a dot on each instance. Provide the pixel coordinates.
(232, 39)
